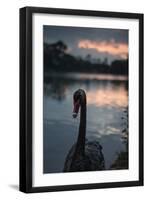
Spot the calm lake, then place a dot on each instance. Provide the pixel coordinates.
(107, 99)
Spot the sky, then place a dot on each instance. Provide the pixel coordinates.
(99, 43)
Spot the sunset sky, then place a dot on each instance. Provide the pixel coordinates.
(98, 42)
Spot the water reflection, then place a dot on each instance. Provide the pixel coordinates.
(101, 89)
(107, 98)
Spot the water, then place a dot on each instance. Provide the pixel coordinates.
(107, 98)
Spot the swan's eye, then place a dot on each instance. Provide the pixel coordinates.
(77, 97)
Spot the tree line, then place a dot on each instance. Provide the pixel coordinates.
(57, 59)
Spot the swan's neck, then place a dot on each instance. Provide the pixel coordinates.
(80, 148)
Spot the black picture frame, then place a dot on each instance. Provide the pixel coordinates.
(26, 97)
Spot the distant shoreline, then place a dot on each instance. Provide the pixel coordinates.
(86, 76)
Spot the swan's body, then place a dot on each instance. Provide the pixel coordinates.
(93, 159)
(84, 155)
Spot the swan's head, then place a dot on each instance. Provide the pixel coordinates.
(79, 97)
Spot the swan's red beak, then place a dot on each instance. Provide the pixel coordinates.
(76, 109)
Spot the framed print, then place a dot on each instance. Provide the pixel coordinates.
(81, 99)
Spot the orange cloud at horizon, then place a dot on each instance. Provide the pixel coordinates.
(110, 47)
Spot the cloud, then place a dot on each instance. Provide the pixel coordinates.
(110, 47)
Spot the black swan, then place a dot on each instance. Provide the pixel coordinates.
(84, 155)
